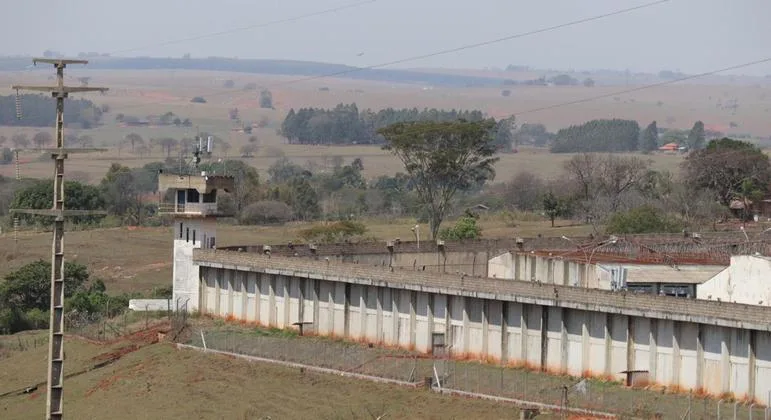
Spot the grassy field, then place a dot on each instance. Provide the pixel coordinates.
(139, 259)
(157, 381)
(142, 93)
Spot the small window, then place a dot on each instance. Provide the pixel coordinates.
(193, 236)
(187, 234)
(180, 231)
(211, 243)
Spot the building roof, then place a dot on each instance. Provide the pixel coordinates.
(203, 183)
(691, 274)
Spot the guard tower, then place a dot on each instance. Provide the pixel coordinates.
(192, 202)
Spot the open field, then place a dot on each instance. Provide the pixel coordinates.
(142, 93)
(158, 381)
(138, 259)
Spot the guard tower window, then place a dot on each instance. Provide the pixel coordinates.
(187, 234)
(210, 197)
(192, 196)
(180, 231)
(194, 236)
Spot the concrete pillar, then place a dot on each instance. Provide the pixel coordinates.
(365, 291)
(287, 321)
(430, 322)
(523, 326)
(330, 297)
(379, 317)
(230, 278)
(485, 328)
(544, 337)
(244, 298)
(563, 340)
(302, 284)
(585, 343)
(751, 366)
(347, 310)
(653, 348)
(413, 318)
(725, 360)
(395, 316)
(255, 277)
(630, 353)
(699, 356)
(272, 300)
(316, 293)
(505, 332)
(608, 368)
(676, 365)
(217, 287)
(466, 323)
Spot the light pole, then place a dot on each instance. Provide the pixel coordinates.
(416, 230)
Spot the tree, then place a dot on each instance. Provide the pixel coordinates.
(266, 99)
(29, 287)
(248, 150)
(523, 191)
(19, 140)
(589, 82)
(233, 113)
(729, 168)
(167, 144)
(696, 136)
(40, 195)
(198, 100)
(119, 190)
(86, 141)
(246, 179)
(229, 84)
(6, 156)
(265, 212)
(304, 199)
(503, 135)
(643, 219)
(650, 138)
(619, 175)
(42, 138)
(465, 228)
(614, 135)
(443, 158)
(554, 206)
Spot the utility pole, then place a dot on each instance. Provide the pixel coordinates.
(58, 154)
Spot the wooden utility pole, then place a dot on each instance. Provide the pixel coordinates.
(58, 154)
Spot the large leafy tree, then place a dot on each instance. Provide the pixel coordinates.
(40, 195)
(29, 287)
(650, 138)
(443, 158)
(696, 136)
(731, 168)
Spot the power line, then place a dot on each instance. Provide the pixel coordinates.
(644, 87)
(480, 44)
(440, 52)
(249, 27)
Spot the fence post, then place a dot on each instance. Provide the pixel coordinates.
(752, 408)
(736, 406)
(203, 340)
(718, 408)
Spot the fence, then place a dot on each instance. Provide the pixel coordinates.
(526, 387)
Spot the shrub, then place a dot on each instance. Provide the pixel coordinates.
(643, 219)
(266, 212)
(465, 228)
(198, 100)
(333, 232)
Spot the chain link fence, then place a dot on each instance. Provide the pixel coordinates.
(105, 326)
(467, 377)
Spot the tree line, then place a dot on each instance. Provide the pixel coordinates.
(345, 124)
(618, 135)
(40, 111)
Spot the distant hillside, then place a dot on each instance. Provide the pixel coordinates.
(276, 67)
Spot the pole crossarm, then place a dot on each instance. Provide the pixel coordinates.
(63, 150)
(60, 89)
(60, 213)
(58, 62)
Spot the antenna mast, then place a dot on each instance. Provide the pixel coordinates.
(58, 154)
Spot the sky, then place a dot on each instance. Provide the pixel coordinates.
(690, 36)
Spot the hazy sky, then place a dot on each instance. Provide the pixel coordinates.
(687, 35)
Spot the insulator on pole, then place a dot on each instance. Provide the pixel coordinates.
(18, 105)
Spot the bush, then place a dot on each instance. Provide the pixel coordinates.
(333, 232)
(266, 212)
(644, 219)
(465, 228)
(198, 100)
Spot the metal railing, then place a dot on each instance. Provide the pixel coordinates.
(188, 208)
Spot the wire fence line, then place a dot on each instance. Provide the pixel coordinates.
(526, 387)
